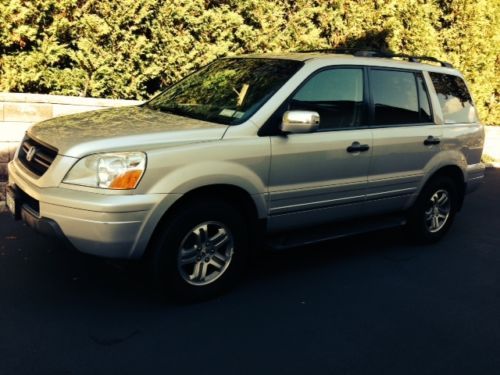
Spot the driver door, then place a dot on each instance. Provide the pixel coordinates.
(322, 176)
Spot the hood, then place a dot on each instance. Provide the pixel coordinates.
(119, 129)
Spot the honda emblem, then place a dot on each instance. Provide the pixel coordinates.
(31, 153)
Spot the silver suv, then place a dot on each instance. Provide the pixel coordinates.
(278, 150)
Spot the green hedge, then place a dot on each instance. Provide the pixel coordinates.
(133, 48)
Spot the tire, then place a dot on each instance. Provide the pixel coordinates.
(202, 251)
(434, 211)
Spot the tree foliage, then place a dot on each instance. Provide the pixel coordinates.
(133, 48)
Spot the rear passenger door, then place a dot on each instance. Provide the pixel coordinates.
(405, 138)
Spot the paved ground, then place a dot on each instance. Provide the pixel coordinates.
(372, 304)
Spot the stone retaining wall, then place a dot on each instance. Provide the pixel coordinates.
(19, 111)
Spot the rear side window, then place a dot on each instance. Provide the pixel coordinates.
(454, 98)
(396, 98)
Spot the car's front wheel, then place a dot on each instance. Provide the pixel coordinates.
(202, 250)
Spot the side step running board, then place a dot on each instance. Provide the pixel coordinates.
(325, 232)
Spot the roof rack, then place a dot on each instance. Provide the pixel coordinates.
(375, 53)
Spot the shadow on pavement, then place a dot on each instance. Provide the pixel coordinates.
(49, 269)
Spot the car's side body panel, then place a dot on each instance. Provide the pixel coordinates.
(398, 165)
(313, 179)
(243, 163)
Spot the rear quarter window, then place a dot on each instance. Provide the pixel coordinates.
(454, 98)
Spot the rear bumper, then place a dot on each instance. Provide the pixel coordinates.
(475, 176)
(114, 226)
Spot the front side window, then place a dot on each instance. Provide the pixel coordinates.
(395, 97)
(228, 91)
(336, 94)
(454, 98)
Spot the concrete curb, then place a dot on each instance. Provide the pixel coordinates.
(492, 165)
(492, 145)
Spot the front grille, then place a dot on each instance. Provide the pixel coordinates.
(36, 156)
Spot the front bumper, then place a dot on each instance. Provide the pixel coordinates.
(114, 226)
(23, 210)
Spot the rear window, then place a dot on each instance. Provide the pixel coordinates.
(454, 98)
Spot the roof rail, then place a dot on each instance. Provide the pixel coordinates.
(375, 53)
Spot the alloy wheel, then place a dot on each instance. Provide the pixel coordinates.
(205, 253)
(438, 211)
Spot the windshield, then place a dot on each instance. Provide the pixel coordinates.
(227, 91)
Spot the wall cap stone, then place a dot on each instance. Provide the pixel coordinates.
(61, 99)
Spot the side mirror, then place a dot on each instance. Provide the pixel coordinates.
(300, 122)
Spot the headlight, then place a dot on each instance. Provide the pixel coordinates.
(120, 171)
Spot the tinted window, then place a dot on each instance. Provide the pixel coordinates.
(454, 98)
(423, 100)
(395, 97)
(228, 91)
(336, 94)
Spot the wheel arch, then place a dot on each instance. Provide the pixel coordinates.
(456, 174)
(239, 197)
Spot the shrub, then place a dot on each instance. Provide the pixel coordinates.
(133, 48)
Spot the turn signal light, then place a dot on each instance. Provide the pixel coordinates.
(127, 180)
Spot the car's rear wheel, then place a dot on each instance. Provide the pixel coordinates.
(434, 211)
(202, 251)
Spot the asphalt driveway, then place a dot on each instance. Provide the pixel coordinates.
(371, 304)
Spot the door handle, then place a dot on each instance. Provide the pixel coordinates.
(432, 141)
(357, 147)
